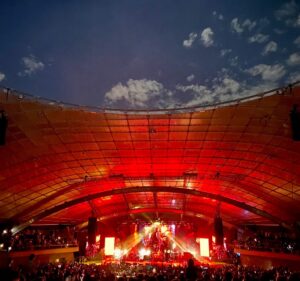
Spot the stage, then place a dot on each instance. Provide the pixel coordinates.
(202, 262)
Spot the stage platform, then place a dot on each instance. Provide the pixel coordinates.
(204, 262)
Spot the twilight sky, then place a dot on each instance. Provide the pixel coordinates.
(138, 54)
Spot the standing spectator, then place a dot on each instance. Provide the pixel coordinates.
(191, 272)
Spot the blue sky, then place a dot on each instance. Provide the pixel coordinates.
(138, 54)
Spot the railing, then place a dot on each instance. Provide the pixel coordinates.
(270, 249)
(23, 95)
(42, 247)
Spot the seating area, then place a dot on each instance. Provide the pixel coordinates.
(270, 242)
(35, 239)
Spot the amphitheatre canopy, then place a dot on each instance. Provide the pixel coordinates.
(62, 163)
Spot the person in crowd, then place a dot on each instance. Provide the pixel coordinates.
(191, 272)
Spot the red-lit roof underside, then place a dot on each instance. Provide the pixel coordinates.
(60, 163)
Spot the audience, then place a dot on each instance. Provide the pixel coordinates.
(268, 241)
(39, 239)
(138, 272)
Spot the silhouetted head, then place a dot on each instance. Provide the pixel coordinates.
(190, 262)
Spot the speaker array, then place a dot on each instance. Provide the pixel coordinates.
(3, 127)
(92, 230)
(219, 233)
(295, 123)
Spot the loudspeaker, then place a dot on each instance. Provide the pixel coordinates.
(3, 127)
(295, 123)
(81, 238)
(218, 223)
(92, 230)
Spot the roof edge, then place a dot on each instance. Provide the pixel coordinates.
(198, 108)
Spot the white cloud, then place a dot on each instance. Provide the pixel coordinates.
(297, 21)
(249, 24)
(263, 22)
(268, 72)
(2, 76)
(286, 10)
(234, 61)
(223, 89)
(294, 77)
(294, 59)
(288, 14)
(240, 27)
(294, 22)
(258, 38)
(279, 31)
(31, 65)
(140, 94)
(219, 16)
(235, 26)
(200, 94)
(249, 90)
(297, 41)
(270, 47)
(190, 78)
(228, 86)
(224, 52)
(196, 88)
(189, 42)
(237, 90)
(207, 37)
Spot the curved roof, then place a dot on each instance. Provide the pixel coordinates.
(61, 163)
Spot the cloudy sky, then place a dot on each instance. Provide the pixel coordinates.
(148, 53)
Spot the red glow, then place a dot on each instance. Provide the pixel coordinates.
(98, 238)
(243, 152)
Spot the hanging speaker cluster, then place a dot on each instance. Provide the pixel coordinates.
(295, 123)
(92, 230)
(219, 233)
(81, 238)
(3, 127)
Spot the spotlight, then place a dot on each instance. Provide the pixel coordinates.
(117, 254)
(13, 230)
(164, 229)
(144, 252)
